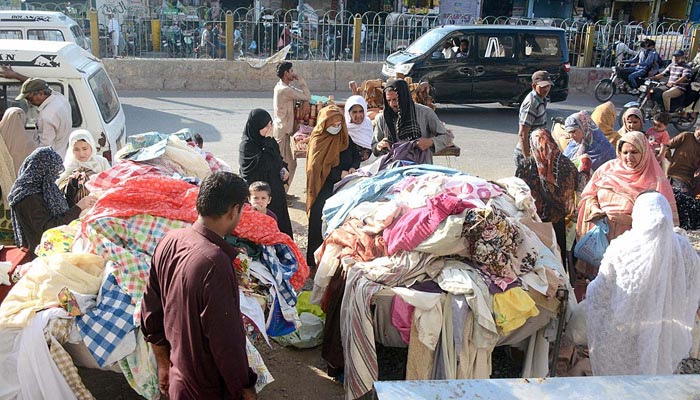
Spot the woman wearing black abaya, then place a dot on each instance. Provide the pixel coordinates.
(260, 160)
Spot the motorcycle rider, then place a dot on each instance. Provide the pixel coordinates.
(621, 49)
(640, 65)
(679, 74)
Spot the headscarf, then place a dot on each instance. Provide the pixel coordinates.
(641, 307)
(38, 175)
(403, 126)
(594, 144)
(647, 175)
(96, 163)
(18, 143)
(604, 115)
(555, 185)
(361, 134)
(630, 111)
(257, 152)
(323, 152)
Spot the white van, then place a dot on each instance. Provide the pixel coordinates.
(41, 25)
(76, 74)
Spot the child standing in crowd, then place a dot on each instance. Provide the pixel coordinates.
(658, 133)
(260, 198)
(198, 140)
(81, 162)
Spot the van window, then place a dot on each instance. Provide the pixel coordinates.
(9, 91)
(540, 46)
(495, 46)
(45, 34)
(10, 34)
(79, 35)
(426, 42)
(105, 95)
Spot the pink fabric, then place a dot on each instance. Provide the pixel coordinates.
(402, 317)
(119, 173)
(417, 225)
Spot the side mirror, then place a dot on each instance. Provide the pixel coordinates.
(437, 55)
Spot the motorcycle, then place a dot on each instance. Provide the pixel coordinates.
(650, 102)
(616, 84)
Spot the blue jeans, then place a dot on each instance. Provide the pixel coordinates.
(632, 78)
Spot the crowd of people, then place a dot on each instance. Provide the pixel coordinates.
(640, 184)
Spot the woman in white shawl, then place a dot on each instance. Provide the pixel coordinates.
(359, 126)
(641, 307)
(81, 161)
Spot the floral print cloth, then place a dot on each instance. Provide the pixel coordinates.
(58, 240)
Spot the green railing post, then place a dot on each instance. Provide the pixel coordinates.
(155, 28)
(94, 32)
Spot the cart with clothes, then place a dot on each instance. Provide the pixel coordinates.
(442, 262)
(78, 302)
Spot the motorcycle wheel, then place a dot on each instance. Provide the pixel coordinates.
(684, 123)
(604, 90)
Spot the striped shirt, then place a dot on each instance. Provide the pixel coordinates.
(533, 112)
(677, 71)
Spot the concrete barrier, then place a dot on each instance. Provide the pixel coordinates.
(221, 75)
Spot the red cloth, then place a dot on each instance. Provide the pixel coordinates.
(417, 225)
(402, 317)
(156, 195)
(262, 229)
(119, 173)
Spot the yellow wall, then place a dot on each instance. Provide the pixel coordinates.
(641, 11)
(673, 9)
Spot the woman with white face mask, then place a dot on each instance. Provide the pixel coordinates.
(331, 155)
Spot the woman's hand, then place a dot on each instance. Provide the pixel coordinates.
(619, 218)
(284, 174)
(351, 171)
(343, 174)
(87, 202)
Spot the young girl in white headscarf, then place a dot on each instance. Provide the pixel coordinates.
(359, 126)
(81, 162)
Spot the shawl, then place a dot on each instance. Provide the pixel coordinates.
(554, 187)
(640, 309)
(594, 144)
(604, 115)
(323, 152)
(257, 152)
(614, 175)
(18, 142)
(361, 134)
(96, 163)
(38, 174)
(403, 125)
(628, 112)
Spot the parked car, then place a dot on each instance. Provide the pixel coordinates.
(496, 68)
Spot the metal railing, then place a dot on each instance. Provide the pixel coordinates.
(328, 35)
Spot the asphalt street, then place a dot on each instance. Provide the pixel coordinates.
(486, 133)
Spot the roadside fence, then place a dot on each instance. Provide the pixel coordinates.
(176, 32)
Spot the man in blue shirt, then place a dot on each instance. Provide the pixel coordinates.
(640, 65)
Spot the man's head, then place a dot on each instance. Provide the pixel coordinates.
(208, 26)
(678, 56)
(651, 44)
(697, 132)
(463, 45)
(260, 195)
(392, 98)
(397, 95)
(284, 70)
(221, 198)
(541, 83)
(34, 91)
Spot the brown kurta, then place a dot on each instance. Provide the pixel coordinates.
(191, 305)
(686, 158)
(35, 218)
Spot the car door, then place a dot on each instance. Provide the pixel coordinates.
(450, 79)
(495, 68)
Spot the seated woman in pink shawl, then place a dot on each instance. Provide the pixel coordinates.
(614, 187)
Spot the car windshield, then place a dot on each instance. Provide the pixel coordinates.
(426, 42)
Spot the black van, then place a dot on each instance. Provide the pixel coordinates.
(496, 66)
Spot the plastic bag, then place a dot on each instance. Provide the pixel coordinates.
(308, 335)
(591, 247)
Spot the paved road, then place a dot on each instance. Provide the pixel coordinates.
(486, 133)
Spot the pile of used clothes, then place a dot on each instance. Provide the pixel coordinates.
(443, 262)
(87, 283)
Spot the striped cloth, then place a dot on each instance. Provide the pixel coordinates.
(363, 281)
